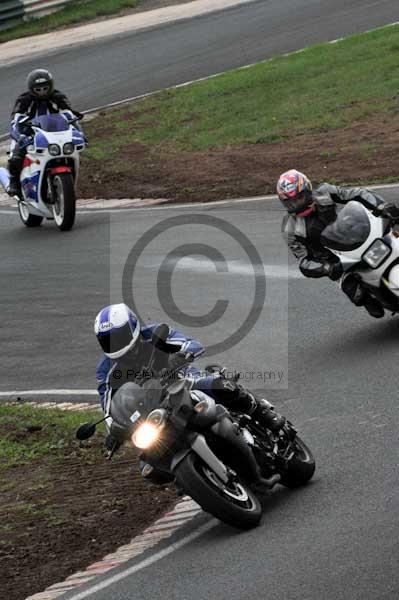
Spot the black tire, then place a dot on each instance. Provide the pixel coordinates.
(191, 476)
(64, 208)
(28, 219)
(301, 466)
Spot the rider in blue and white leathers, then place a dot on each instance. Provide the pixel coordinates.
(108, 370)
(128, 347)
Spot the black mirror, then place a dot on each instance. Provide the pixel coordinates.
(160, 335)
(85, 431)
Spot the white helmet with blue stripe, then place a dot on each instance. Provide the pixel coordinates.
(117, 329)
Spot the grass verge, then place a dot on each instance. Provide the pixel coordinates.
(78, 11)
(333, 107)
(63, 506)
(28, 433)
(324, 87)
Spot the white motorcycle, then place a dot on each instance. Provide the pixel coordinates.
(50, 171)
(369, 246)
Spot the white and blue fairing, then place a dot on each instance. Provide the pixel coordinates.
(49, 129)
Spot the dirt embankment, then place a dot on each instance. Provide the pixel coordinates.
(366, 152)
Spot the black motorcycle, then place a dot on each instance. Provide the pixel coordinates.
(224, 461)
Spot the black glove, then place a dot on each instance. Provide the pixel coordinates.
(335, 270)
(180, 359)
(26, 129)
(315, 269)
(387, 211)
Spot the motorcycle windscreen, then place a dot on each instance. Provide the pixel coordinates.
(132, 403)
(51, 123)
(350, 229)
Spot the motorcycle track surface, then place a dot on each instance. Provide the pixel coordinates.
(334, 539)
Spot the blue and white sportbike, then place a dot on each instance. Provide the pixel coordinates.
(50, 170)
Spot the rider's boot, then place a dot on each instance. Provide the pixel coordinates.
(14, 168)
(261, 410)
(268, 416)
(373, 307)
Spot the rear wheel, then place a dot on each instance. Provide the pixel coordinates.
(26, 217)
(233, 503)
(300, 467)
(64, 207)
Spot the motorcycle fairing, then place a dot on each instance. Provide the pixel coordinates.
(354, 229)
(30, 186)
(34, 170)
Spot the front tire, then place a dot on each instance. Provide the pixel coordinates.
(301, 466)
(64, 207)
(27, 218)
(235, 504)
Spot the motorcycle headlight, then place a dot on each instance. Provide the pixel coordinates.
(376, 254)
(68, 148)
(145, 435)
(54, 149)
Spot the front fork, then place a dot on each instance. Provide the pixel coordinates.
(51, 195)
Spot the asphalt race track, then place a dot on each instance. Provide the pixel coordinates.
(335, 539)
(327, 365)
(141, 62)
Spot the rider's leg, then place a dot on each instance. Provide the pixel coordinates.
(15, 163)
(353, 287)
(235, 397)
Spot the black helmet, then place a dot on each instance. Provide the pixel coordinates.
(40, 83)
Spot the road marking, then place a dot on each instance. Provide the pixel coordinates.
(149, 561)
(146, 540)
(13, 393)
(233, 267)
(200, 205)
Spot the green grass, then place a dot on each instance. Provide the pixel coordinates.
(324, 87)
(78, 11)
(55, 438)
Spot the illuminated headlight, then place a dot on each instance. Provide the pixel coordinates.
(54, 149)
(148, 433)
(376, 254)
(145, 435)
(68, 148)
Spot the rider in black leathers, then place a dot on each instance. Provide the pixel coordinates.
(309, 212)
(40, 99)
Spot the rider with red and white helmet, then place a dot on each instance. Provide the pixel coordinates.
(309, 212)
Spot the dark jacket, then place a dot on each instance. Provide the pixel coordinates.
(27, 104)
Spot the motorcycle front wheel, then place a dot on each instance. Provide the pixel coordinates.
(64, 207)
(233, 503)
